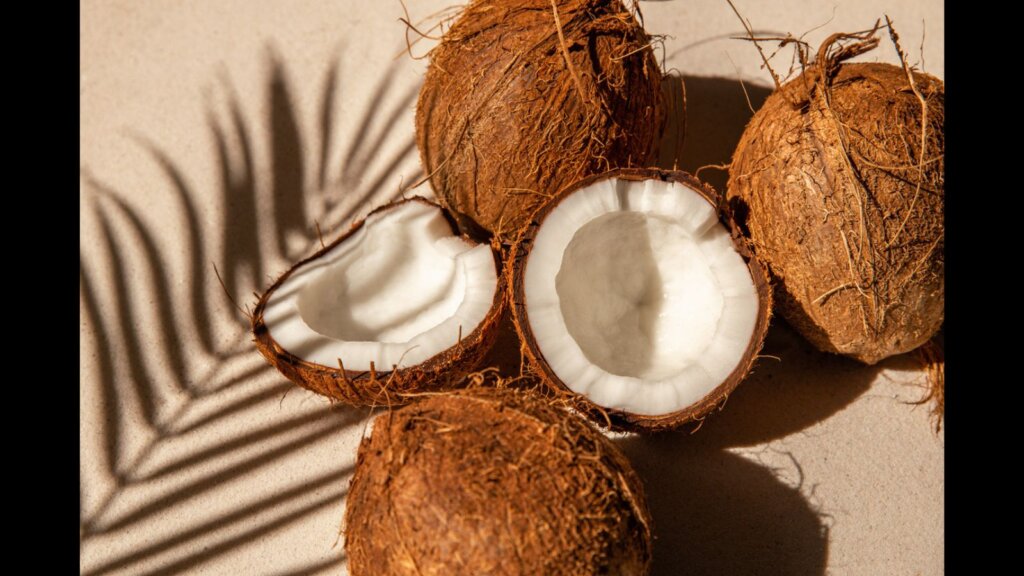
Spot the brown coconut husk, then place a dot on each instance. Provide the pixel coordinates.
(839, 181)
(523, 97)
(617, 419)
(493, 481)
(385, 385)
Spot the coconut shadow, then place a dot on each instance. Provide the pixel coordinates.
(506, 354)
(791, 388)
(716, 513)
(716, 114)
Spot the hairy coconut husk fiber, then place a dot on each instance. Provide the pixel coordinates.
(839, 181)
(493, 481)
(932, 360)
(384, 385)
(523, 97)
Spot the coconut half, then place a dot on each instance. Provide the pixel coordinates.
(633, 295)
(400, 304)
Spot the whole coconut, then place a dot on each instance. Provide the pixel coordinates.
(523, 97)
(839, 181)
(493, 481)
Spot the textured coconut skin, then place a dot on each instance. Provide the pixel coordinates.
(856, 246)
(384, 386)
(500, 122)
(515, 271)
(493, 481)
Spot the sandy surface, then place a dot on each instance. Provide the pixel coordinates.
(220, 132)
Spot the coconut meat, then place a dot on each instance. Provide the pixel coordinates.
(400, 290)
(636, 296)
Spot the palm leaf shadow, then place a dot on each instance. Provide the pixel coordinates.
(195, 246)
(198, 532)
(141, 380)
(358, 164)
(165, 307)
(286, 166)
(238, 406)
(327, 120)
(111, 409)
(248, 536)
(199, 487)
(241, 252)
(177, 388)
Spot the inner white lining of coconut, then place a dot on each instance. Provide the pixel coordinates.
(637, 297)
(400, 290)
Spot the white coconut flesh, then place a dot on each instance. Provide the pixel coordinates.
(400, 290)
(637, 297)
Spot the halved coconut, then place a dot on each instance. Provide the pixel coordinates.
(400, 304)
(633, 295)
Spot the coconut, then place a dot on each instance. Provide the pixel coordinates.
(838, 180)
(493, 481)
(398, 305)
(637, 300)
(523, 97)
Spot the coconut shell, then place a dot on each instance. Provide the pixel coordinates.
(384, 386)
(832, 185)
(502, 122)
(493, 481)
(618, 419)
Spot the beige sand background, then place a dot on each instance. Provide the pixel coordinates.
(217, 133)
